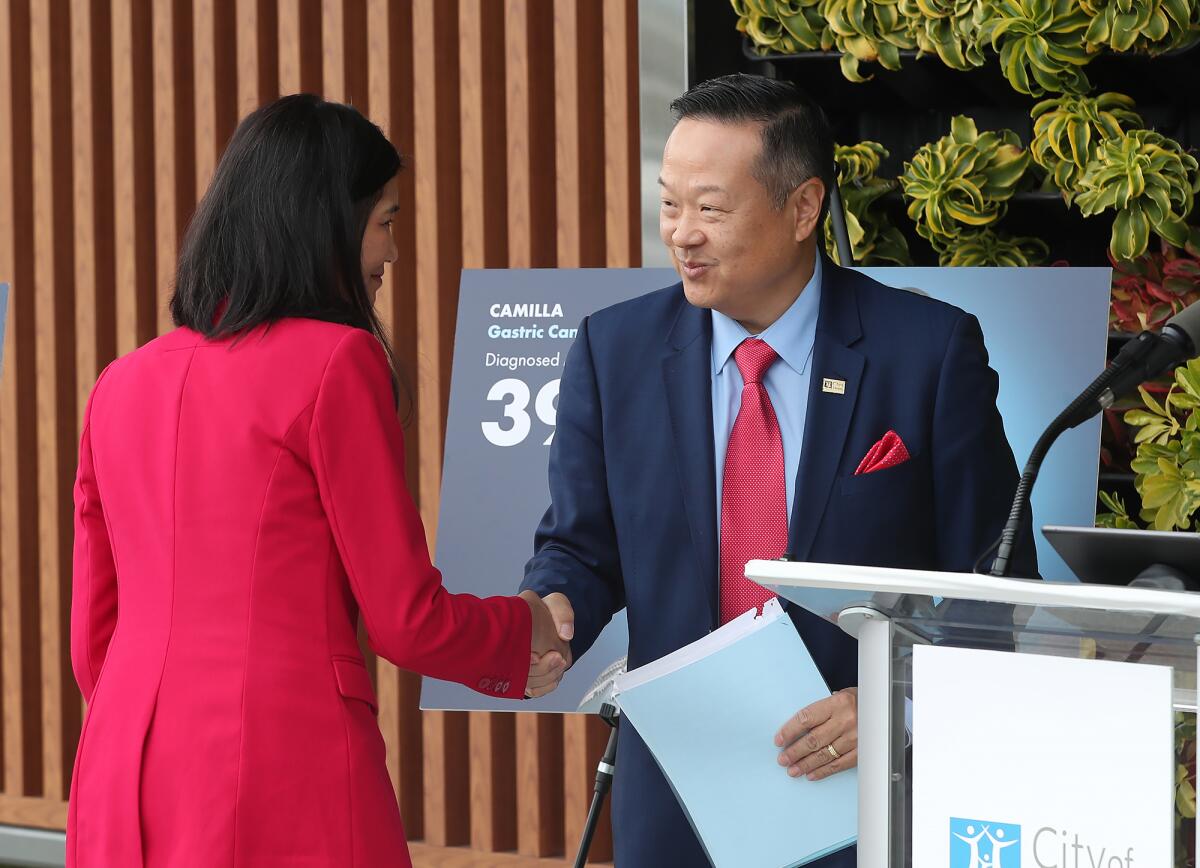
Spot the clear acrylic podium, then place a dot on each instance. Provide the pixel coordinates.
(890, 611)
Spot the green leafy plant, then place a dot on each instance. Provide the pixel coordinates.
(1152, 26)
(1167, 464)
(1151, 183)
(1117, 516)
(1149, 290)
(962, 182)
(873, 239)
(1040, 43)
(868, 30)
(994, 249)
(784, 26)
(947, 28)
(1068, 131)
(1043, 45)
(1185, 788)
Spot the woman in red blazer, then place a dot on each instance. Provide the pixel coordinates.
(240, 502)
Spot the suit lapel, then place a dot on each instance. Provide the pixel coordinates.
(687, 375)
(829, 413)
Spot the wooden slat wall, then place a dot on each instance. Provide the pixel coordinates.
(518, 119)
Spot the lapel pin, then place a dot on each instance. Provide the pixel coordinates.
(833, 387)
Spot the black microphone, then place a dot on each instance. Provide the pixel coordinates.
(1142, 359)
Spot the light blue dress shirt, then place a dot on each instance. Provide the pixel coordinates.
(792, 337)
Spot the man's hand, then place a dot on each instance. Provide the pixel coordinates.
(549, 662)
(805, 739)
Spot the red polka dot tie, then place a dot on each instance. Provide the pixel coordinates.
(753, 488)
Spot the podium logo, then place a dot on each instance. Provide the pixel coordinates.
(984, 844)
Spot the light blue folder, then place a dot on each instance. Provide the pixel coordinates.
(709, 713)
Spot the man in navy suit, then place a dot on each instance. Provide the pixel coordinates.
(771, 402)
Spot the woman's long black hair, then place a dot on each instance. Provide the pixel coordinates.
(279, 231)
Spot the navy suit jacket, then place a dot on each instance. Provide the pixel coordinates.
(632, 520)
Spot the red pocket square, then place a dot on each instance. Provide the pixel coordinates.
(888, 452)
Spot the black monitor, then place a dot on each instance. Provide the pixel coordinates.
(1114, 556)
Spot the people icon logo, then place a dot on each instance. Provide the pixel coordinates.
(984, 844)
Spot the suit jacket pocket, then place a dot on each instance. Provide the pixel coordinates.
(354, 682)
(881, 481)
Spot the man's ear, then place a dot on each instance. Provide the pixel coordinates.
(805, 203)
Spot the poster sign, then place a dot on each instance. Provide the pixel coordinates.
(1046, 330)
(515, 327)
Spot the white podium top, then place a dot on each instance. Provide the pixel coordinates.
(859, 584)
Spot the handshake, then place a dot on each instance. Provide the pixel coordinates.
(550, 651)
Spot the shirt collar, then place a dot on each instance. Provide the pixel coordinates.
(791, 336)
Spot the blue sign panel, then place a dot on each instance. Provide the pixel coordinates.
(1046, 332)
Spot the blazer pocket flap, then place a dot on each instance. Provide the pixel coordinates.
(354, 683)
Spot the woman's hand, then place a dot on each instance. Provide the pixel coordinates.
(550, 653)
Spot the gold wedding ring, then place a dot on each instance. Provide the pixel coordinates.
(833, 751)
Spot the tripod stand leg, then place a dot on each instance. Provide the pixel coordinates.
(604, 775)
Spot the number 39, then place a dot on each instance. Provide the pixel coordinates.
(515, 395)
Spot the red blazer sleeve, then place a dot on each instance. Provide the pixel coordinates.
(93, 571)
(357, 452)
